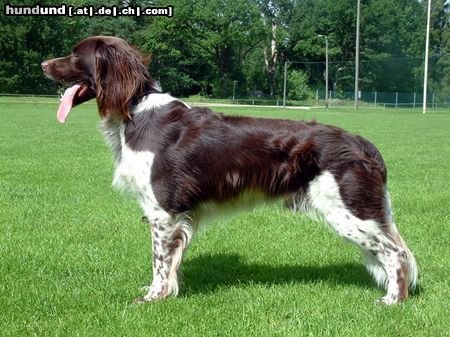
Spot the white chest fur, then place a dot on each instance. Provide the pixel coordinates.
(133, 168)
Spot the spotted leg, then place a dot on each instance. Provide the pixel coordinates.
(385, 260)
(171, 235)
(387, 256)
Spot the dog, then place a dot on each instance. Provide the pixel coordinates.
(187, 164)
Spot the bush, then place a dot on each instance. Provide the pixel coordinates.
(297, 85)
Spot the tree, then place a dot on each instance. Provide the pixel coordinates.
(206, 42)
(440, 48)
(26, 41)
(311, 18)
(389, 30)
(227, 31)
(208, 45)
(275, 14)
(393, 30)
(23, 47)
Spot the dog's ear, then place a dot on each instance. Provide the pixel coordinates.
(120, 76)
(147, 59)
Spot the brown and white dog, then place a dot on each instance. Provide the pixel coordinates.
(185, 164)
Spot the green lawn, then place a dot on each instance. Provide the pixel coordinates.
(73, 252)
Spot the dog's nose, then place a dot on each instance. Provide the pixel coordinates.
(44, 65)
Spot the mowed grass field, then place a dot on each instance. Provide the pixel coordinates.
(74, 253)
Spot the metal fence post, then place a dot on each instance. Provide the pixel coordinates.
(375, 100)
(317, 97)
(414, 103)
(432, 104)
(396, 100)
(284, 84)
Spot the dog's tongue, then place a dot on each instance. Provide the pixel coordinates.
(66, 103)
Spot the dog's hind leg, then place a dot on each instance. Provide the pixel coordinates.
(394, 255)
(391, 264)
(171, 235)
(388, 259)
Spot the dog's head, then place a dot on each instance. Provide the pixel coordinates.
(102, 67)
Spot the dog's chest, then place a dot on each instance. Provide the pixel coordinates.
(133, 168)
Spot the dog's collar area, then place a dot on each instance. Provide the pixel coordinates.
(152, 89)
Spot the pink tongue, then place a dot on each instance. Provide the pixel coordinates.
(66, 103)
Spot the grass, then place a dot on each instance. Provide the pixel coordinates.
(73, 252)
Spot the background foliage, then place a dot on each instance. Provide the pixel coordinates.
(210, 47)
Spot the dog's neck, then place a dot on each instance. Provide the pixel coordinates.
(155, 102)
(150, 87)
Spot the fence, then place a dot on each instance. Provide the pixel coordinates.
(384, 99)
(390, 82)
(368, 99)
(336, 99)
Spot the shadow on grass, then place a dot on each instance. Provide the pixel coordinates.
(205, 273)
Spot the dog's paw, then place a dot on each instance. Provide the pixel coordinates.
(149, 297)
(143, 299)
(387, 300)
(145, 289)
(139, 300)
(154, 293)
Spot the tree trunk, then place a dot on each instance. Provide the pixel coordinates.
(270, 59)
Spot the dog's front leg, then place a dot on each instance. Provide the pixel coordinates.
(171, 235)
